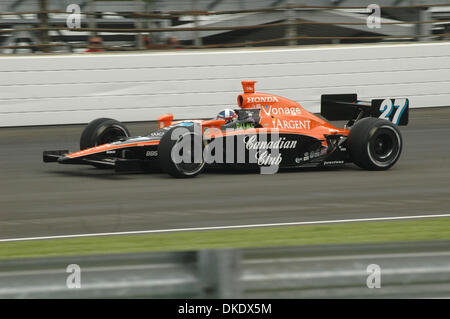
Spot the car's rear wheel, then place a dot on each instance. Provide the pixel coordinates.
(180, 152)
(102, 131)
(375, 144)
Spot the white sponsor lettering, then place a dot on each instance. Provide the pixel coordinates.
(333, 162)
(292, 124)
(264, 99)
(151, 153)
(286, 110)
(265, 158)
(282, 143)
(311, 155)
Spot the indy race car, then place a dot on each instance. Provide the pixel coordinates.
(266, 131)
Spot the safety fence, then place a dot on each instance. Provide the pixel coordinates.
(387, 270)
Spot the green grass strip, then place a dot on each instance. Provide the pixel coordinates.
(358, 232)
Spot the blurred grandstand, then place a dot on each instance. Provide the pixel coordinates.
(41, 25)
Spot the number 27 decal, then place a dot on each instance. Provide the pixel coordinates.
(388, 106)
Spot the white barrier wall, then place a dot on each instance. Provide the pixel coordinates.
(42, 90)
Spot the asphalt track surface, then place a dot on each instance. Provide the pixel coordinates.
(38, 199)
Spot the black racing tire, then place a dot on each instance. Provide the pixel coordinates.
(375, 144)
(102, 131)
(181, 169)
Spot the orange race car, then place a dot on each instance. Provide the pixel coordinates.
(266, 132)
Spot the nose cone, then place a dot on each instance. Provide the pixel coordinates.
(248, 86)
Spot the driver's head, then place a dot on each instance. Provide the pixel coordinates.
(228, 115)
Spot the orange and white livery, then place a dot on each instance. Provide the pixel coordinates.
(268, 130)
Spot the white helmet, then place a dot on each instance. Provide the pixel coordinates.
(228, 115)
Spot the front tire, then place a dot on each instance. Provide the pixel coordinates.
(174, 141)
(375, 144)
(102, 131)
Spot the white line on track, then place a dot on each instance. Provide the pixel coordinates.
(155, 231)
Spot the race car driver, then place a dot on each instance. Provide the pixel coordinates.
(228, 115)
(233, 120)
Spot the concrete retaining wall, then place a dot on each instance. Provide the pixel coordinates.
(43, 90)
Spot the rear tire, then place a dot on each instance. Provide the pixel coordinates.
(375, 144)
(181, 169)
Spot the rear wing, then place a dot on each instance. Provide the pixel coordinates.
(337, 107)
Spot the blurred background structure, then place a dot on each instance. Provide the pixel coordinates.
(28, 26)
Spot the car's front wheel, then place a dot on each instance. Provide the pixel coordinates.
(375, 144)
(180, 152)
(102, 131)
